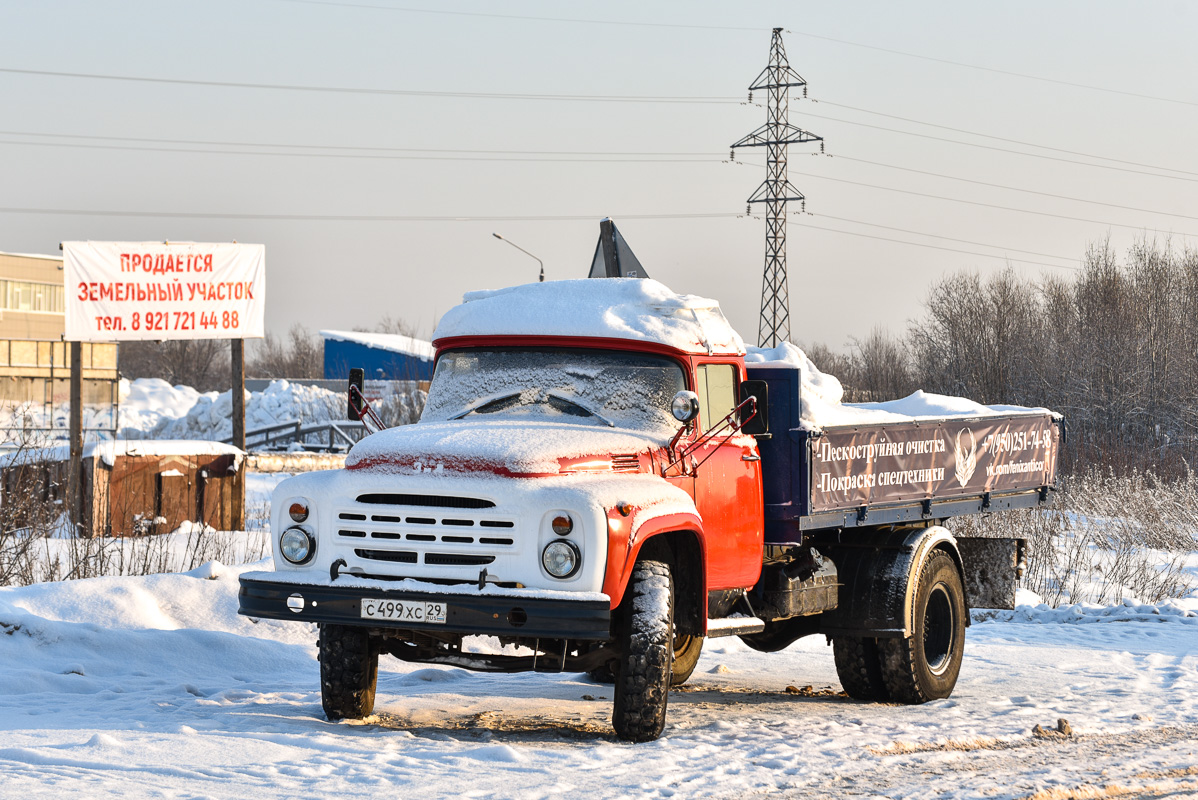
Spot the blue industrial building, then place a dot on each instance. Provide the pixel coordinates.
(384, 356)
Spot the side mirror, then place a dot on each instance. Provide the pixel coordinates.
(685, 407)
(357, 380)
(759, 423)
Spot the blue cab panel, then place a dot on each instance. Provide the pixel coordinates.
(785, 468)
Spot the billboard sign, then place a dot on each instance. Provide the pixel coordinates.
(128, 291)
(899, 463)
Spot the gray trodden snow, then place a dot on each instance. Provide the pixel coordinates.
(153, 687)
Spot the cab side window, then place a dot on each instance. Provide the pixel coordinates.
(716, 386)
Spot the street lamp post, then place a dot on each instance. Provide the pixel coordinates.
(525, 252)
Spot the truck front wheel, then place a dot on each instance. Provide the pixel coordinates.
(646, 628)
(349, 670)
(687, 649)
(925, 665)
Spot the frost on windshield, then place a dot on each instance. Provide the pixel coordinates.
(626, 390)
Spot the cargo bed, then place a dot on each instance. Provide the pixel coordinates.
(848, 476)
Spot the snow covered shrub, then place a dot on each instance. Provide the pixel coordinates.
(401, 407)
(1107, 538)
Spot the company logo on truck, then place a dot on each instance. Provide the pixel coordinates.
(967, 462)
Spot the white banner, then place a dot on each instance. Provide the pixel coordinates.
(123, 291)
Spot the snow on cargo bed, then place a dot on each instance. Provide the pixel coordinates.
(615, 308)
(821, 394)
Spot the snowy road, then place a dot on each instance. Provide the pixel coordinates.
(153, 687)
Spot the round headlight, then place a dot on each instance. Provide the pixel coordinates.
(685, 406)
(562, 524)
(298, 511)
(297, 545)
(561, 559)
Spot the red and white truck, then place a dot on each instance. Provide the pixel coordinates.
(600, 479)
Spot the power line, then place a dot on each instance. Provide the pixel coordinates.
(1004, 139)
(523, 17)
(595, 98)
(991, 205)
(937, 236)
(1014, 188)
(932, 246)
(1009, 73)
(683, 26)
(494, 218)
(74, 212)
(999, 149)
(366, 156)
(351, 147)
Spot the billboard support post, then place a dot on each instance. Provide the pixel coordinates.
(75, 481)
(237, 348)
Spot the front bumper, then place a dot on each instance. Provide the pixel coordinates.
(482, 614)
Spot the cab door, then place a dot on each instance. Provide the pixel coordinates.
(727, 485)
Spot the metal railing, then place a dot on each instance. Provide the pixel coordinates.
(316, 437)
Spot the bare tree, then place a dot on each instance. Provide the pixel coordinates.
(199, 363)
(300, 355)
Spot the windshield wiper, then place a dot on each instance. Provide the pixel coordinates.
(491, 404)
(551, 396)
(558, 401)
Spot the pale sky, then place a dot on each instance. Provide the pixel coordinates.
(73, 144)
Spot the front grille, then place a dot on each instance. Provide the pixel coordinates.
(434, 531)
(457, 559)
(625, 462)
(423, 500)
(397, 556)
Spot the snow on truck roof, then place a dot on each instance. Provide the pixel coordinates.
(641, 310)
(645, 310)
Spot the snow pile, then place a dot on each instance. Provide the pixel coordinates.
(146, 402)
(614, 308)
(821, 395)
(108, 451)
(1030, 608)
(151, 687)
(36, 424)
(211, 415)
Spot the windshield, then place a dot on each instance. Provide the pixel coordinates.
(594, 387)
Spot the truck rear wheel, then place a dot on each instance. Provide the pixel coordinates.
(349, 670)
(925, 665)
(859, 667)
(643, 676)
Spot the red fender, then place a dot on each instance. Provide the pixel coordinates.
(623, 547)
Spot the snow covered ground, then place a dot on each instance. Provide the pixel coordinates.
(154, 687)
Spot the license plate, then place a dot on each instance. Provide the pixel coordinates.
(423, 611)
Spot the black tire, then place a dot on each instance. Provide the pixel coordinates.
(349, 671)
(646, 628)
(687, 650)
(859, 666)
(925, 666)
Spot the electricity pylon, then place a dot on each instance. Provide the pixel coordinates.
(775, 135)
